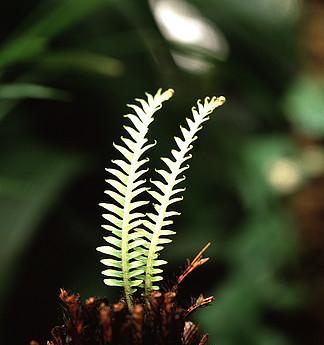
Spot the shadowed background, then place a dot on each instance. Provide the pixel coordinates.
(256, 184)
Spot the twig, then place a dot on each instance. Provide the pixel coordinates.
(200, 302)
(195, 263)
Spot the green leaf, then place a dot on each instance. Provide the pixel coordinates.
(93, 62)
(29, 90)
(46, 22)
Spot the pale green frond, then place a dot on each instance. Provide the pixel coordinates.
(138, 184)
(135, 283)
(139, 163)
(109, 251)
(135, 235)
(137, 243)
(172, 213)
(124, 244)
(113, 230)
(112, 273)
(164, 240)
(137, 253)
(113, 209)
(152, 218)
(144, 233)
(165, 190)
(165, 232)
(112, 263)
(159, 263)
(122, 165)
(113, 219)
(136, 272)
(115, 196)
(136, 264)
(160, 185)
(120, 187)
(113, 282)
(119, 175)
(137, 204)
(163, 173)
(139, 173)
(126, 153)
(167, 222)
(156, 195)
(133, 225)
(135, 239)
(169, 163)
(130, 144)
(179, 190)
(137, 192)
(174, 200)
(139, 111)
(138, 124)
(147, 147)
(113, 240)
(176, 154)
(134, 135)
(137, 215)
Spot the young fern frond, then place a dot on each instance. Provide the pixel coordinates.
(156, 227)
(124, 243)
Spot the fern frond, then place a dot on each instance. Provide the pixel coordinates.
(157, 224)
(123, 246)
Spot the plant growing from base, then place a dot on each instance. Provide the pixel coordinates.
(136, 237)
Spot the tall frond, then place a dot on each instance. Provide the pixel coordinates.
(123, 245)
(157, 225)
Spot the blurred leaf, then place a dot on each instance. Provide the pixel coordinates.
(304, 105)
(28, 90)
(11, 94)
(47, 21)
(260, 12)
(260, 156)
(31, 179)
(82, 60)
(264, 245)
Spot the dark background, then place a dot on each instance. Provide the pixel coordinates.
(256, 184)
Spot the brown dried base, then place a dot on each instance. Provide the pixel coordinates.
(156, 320)
(159, 322)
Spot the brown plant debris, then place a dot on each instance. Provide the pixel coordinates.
(156, 320)
(198, 261)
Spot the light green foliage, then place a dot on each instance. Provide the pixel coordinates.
(166, 193)
(135, 239)
(125, 268)
(304, 105)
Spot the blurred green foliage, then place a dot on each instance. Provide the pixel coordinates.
(304, 105)
(67, 69)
